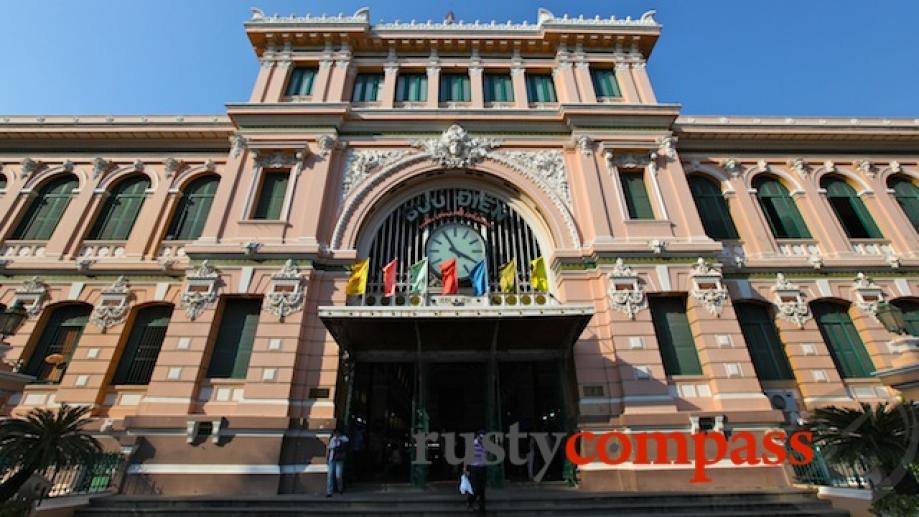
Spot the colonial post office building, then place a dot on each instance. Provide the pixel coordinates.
(185, 276)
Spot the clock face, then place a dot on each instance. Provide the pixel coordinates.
(458, 241)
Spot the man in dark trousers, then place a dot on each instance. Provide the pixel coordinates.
(478, 470)
(335, 455)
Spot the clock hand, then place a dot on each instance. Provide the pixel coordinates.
(460, 253)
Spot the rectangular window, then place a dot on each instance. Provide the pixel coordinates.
(678, 348)
(758, 327)
(301, 80)
(367, 88)
(636, 195)
(233, 345)
(540, 88)
(498, 88)
(605, 84)
(455, 88)
(412, 88)
(271, 195)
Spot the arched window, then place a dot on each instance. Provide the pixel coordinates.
(850, 210)
(194, 206)
(763, 341)
(780, 209)
(143, 346)
(46, 210)
(712, 208)
(841, 337)
(907, 195)
(120, 210)
(910, 310)
(59, 336)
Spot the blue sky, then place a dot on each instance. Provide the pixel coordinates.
(765, 57)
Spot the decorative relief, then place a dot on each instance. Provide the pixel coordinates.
(32, 294)
(866, 167)
(286, 295)
(30, 167)
(201, 286)
(800, 166)
(789, 300)
(455, 149)
(657, 246)
(548, 166)
(326, 144)
(707, 287)
(628, 160)
(732, 166)
(276, 159)
(626, 293)
(867, 295)
(361, 163)
(101, 166)
(237, 144)
(173, 166)
(667, 147)
(585, 144)
(113, 307)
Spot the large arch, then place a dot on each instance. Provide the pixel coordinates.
(360, 202)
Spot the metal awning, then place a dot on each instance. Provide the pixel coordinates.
(438, 333)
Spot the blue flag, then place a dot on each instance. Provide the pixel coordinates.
(479, 277)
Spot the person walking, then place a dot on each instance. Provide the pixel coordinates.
(335, 456)
(478, 470)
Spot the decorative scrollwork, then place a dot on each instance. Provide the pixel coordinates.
(200, 289)
(286, 295)
(626, 292)
(113, 307)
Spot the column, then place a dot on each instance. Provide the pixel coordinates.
(230, 179)
(589, 189)
(313, 186)
(321, 83)
(433, 86)
(476, 86)
(390, 78)
(564, 80)
(519, 81)
(626, 83)
(338, 80)
(639, 74)
(278, 81)
(266, 67)
(585, 82)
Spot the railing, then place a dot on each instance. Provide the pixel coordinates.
(102, 249)
(823, 472)
(524, 295)
(21, 249)
(102, 474)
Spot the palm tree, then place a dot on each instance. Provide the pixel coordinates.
(42, 439)
(884, 438)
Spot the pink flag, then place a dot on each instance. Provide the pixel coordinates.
(448, 274)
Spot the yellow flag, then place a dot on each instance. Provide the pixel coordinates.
(357, 282)
(507, 277)
(538, 279)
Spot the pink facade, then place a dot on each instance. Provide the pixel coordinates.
(569, 165)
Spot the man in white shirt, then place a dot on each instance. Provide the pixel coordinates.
(335, 456)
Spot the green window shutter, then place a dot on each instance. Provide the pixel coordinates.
(192, 210)
(851, 212)
(120, 210)
(271, 197)
(412, 88)
(454, 88)
(498, 88)
(367, 87)
(636, 195)
(540, 88)
(910, 314)
(46, 210)
(301, 82)
(907, 195)
(2, 181)
(780, 210)
(713, 209)
(60, 335)
(605, 84)
(143, 346)
(678, 348)
(763, 341)
(233, 345)
(841, 337)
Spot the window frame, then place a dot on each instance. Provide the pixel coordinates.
(631, 210)
(402, 88)
(293, 76)
(533, 90)
(851, 212)
(100, 231)
(263, 175)
(674, 354)
(488, 93)
(802, 231)
(177, 221)
(21, 231)
(844, 353)
(443, 88)
(715, 197)
(244, 346)
(361, 84)
(614, 83)
(770, 362)
(902, 198)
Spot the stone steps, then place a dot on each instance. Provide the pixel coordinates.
(548, 502)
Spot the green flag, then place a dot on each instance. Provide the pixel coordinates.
(418, 277)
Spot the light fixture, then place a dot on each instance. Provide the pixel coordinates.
(12, 319)
(891, 317)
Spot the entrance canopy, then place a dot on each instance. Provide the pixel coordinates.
(455, 333)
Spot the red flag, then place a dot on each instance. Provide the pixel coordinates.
(448, 274)
(389, 278)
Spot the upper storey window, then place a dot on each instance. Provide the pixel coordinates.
(780, 209)
(850, 210)
(605, 84)
(412, 88)
(367, 87)
(907, 195)
(635, 191)
(194, 206)
(301, 82)
(46, 210)
(271, 195)
(540, 88)
(498, 87)
(712, 209)
(120, 210)
(455, 88)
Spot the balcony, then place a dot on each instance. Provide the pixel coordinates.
(23, 249)
(524, 297)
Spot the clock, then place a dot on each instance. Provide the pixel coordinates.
(455, 240)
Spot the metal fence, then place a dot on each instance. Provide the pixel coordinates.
(824, 472)
(103, 473)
